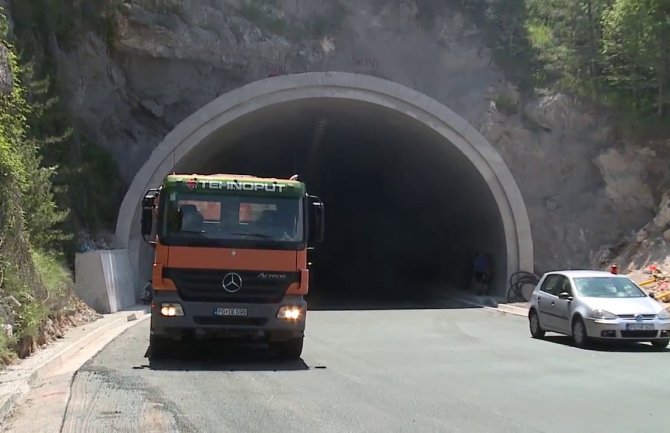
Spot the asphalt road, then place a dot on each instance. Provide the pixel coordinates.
(458, 370)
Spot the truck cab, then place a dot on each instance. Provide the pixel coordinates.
(230, 259)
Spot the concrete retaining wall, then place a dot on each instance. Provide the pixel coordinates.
(104, 280)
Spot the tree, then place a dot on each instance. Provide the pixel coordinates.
(636, 50)
(567, 35)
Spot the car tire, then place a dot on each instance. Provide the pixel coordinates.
(536, 330)
(579, 336)
(660, 344)
(289, 349)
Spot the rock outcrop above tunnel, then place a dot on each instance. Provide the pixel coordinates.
(166, 59)
(587, 193)
(649, 246)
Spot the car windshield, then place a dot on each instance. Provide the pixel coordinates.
(607, 287)
(217, 218)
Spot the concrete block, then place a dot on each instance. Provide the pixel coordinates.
(104, 280)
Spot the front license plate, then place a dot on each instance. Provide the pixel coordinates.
(640, 327)
(230, 311)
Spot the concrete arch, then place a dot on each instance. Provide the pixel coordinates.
(244, 100)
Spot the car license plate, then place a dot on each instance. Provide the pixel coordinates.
(640, 327)
(230, 311)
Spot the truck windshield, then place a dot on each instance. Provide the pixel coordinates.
(208, 219)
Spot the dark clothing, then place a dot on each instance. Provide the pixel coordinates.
(482, 264)
(480, 277)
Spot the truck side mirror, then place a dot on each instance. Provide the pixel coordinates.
(147, 220)
(316, 221)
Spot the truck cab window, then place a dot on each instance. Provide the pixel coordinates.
(190, 219)
(224, 219)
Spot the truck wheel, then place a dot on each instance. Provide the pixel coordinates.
(289, 349)
(157, 346)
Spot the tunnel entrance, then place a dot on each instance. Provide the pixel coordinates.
(409, 197)
(405, 210)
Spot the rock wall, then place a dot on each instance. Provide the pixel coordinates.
(583, 188)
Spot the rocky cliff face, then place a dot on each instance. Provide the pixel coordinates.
(167, 59)
(584, 189)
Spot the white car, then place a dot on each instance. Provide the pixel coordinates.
(588, 305)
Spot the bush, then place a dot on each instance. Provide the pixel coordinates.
(55, 276)
(34, 283)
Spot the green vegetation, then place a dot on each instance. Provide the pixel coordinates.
(506, 105)
(40, 157)
(254, 11)
(83, 175)
(329, 22)
(35, 283)
(613, 52)
(503, 26)
(62, 20)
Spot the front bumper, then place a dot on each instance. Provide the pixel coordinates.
(260, 322)
(628, 330)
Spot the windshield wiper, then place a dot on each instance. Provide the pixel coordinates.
(258, 235)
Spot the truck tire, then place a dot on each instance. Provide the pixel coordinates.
(157, 346)
(289, 349)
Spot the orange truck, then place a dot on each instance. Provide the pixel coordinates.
(230, 259)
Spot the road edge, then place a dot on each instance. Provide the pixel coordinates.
(499, 308)
(109, 331)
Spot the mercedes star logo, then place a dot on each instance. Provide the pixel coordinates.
(232, 282)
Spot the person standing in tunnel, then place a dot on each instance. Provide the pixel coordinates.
(482, 272)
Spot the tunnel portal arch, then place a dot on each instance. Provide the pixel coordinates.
(228, 107)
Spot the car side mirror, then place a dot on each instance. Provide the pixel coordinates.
(652, 295)
(565, 295)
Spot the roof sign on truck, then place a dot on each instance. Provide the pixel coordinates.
(234, 186)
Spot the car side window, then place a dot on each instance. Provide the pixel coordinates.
(551, 285)
(564, 286)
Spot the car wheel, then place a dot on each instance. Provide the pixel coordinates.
(660, 344)
(536, 330)
(579, 336)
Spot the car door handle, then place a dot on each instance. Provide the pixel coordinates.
(553, 304)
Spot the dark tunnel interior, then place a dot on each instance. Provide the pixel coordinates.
(405, 209)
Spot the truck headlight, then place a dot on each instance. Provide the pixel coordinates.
(171, 310)
(289, 312)
(603, 315)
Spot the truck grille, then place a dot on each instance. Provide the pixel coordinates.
(203, 285)
(230, 321)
